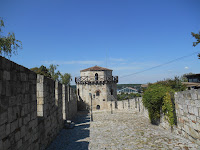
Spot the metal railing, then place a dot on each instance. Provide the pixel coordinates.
(93, 79)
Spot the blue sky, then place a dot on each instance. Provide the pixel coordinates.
(124, 35)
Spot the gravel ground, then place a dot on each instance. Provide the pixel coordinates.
(123, 130)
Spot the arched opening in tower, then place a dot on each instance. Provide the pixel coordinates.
(96, 76)
(98, 107)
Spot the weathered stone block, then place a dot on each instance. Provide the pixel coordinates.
(32, 76)
(193, 133)
(40, 101)
(2, 131)
(1, 144)
(6, 144)
(192, 102)
(40, 93)
(0, 87)
(198, 94)
(33, 106)
(3, 90)
(10, 114)
(26, 119)
(25, 99)
(19, 99)
(196, 112)
(197, 103)
(6, 75)
(185, 108)
(7, 129)
(40, 87)
(40, 113)
(187, 102)
(13, 75)
(198, 127)
(3, 117)
(20, 122)
(190, 109)
(40, 108)
(27, 136)
(33, 97)
(23, 76)
(14, 125)
(34, 115)
(27, 108)
(33, 123)
(8, 89)
(193, 125)
(19, 144)
(194, 94)
(17, 135)
(12, 101)
(23, 131)
(193, 118)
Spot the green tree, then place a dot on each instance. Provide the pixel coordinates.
(41, 70)
(65, 79)
(8, 44)
(55, 75)
(197, 37)
(174, 83)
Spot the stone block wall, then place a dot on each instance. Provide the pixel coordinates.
(65, 101)
(18, 107)
(31, 108)
(49, 108)
(72, 103)
(70, 106)
(187, 105)
(188, 114)
(133, 104)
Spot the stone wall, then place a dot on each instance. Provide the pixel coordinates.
(132, 104)
(49, 108)
(32, 107)
(187, 105)
(18, 107)
(188, 114)
(72, 104)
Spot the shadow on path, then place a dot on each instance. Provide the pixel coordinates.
(76, 138)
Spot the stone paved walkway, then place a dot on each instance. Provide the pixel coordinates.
(119, 131)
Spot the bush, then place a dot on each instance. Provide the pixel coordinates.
(154, 98)
(168, 108)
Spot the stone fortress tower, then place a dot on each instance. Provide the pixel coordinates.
(99, 83)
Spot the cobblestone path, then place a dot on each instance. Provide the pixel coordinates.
(123, 130)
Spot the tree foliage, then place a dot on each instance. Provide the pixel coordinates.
(41, 70)
(55, 75)
(160, 97)
(174, 83)
(197, 37)
(52, 72)
(153, 100)
(168, 108)
(65, 79)
(8, 44)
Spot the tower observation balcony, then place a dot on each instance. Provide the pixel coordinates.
(93, 80)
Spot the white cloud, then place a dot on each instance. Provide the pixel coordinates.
(85, 62)
(117, 59)
(186, 68)
(125, 68)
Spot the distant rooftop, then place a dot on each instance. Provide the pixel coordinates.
(96, 68)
